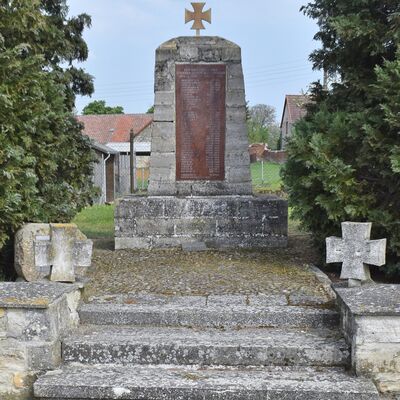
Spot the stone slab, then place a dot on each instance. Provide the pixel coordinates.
(35, 295)
(149, 300)
(34, 318)
(213, 316)
(388, 382)
(260, 300)
(370, 319)
(218, 221)
(172, 383)
(184, 346)
(194, 246)
(371, 300)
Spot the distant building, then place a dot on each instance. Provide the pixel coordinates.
(104, 172)
(294, 109)
(113, 131)
(256, 151)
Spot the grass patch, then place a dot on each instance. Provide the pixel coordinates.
(96, 222)
(268, 181)
(294, 225)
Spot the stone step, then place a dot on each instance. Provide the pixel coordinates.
(216, 315)
(388, 382)
(183, 346)
(178, 383)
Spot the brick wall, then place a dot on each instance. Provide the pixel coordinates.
(278, 157)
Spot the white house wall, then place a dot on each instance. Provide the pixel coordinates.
(286, 128)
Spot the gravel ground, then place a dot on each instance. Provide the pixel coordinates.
(174, 272)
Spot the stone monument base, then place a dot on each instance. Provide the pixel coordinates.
(143, 222)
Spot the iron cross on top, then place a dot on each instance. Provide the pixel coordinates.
(198, 16)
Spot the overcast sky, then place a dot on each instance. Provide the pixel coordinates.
(275, 37)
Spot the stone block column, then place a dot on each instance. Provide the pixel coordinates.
(205, 51)
(34, 317)
(370, 319)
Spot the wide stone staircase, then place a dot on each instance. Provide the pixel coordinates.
(200, 348)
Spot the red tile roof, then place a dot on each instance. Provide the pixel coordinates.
(257, 149)
(114, 128)
(295, 105)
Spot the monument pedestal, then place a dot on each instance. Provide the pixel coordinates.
(200, 183)
(218, 221)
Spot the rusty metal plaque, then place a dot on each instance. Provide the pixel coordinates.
(200, 121)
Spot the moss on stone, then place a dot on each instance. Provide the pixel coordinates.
(174, 272)
(44, 302)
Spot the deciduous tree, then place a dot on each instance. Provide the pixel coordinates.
(99, 107)
(262, 125)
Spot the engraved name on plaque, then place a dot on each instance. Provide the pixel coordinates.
(200, 121)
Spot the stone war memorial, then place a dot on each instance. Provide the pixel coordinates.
(153, 321)
(200, 186)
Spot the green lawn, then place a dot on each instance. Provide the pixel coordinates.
(96, 222)
(294, 225)
(270, 181)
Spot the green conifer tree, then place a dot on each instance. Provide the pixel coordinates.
(45, 161)
(344, 157)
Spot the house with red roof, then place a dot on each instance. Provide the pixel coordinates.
(293, 110)
(113, 132)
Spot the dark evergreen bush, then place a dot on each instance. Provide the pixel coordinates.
(45, 161)
(344, 158)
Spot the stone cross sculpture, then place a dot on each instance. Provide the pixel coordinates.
(62, 252)
(198, 16)
(58, 252)
(356, 251)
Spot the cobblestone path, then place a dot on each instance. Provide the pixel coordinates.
(285, 272)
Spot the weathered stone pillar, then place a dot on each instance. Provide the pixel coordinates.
(190, 70)
(34, 318)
